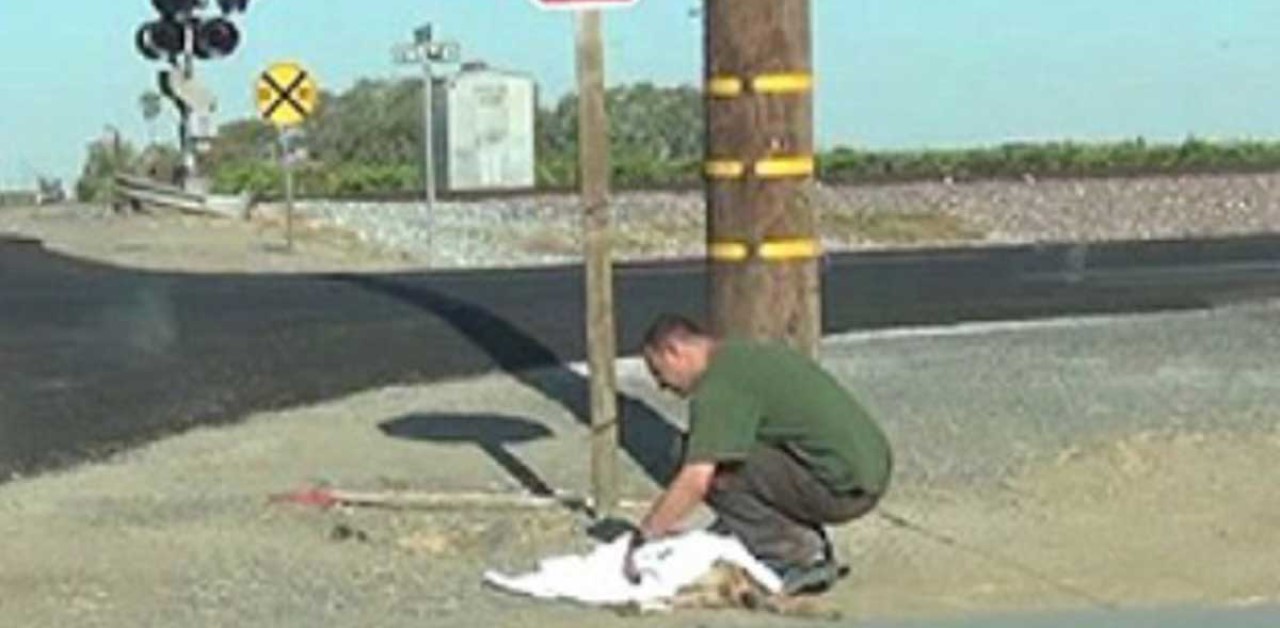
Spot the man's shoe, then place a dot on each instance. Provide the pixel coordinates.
(810, 579)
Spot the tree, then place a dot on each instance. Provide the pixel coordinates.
(369, 139)
(151, 104)
(656, 135)
(105, 158)
(242, 141)
(374, 123)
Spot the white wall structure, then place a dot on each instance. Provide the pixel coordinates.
(484, 122)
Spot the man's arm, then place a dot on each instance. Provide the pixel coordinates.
(685, 492)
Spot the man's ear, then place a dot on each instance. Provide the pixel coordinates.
(673, 351)
(662, 350)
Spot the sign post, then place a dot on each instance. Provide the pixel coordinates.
(286, 96)
(593, 168)
(424, 51)
(593, 180)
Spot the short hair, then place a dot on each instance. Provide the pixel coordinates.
(668, 328)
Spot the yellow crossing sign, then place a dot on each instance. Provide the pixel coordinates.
(286, 94)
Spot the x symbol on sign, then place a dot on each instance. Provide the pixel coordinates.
(285, 95)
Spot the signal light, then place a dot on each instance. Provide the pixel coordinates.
(156, 39)
(182, 27)
(170, 8)
(216, 38)
(233, 6)
(142, 40)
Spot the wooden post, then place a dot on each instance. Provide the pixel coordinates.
(593, 168)
(762, 242)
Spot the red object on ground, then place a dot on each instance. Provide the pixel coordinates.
(311, 496)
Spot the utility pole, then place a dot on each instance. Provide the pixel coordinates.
(762, 243)
(593, 164)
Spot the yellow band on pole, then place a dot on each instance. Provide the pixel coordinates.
(771, 168)
(780, 167)
(725, 169)
(724, 86)
(786, 250)
(728, 251)
(781, 250)
(783, 83)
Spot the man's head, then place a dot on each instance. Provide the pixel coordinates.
(677, 352)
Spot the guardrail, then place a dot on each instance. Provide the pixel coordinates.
(18, 198)
(137, 192)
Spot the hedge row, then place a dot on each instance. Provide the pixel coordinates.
(841, 165)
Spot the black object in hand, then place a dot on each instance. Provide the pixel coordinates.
(608, 530)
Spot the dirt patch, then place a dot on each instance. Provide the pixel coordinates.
(197, 244)
(1150, 520)
(183, 531)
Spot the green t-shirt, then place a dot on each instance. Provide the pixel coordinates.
(768, 393)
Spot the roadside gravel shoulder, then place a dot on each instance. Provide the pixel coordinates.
(181, 532)
(546, 229)
(1101, 500)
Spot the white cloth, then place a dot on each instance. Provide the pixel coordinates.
(665, 566)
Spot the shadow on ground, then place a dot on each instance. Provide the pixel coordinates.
(645, 435)
(491, 433)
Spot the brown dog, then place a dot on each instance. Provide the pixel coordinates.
(728, 586)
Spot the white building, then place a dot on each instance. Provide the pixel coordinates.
(484, 126)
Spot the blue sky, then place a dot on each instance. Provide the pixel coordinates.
(891, 73)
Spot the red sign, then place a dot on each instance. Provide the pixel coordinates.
(582, 5)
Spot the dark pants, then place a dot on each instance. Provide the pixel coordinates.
(773, 502)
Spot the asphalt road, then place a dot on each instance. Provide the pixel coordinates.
(94, 359)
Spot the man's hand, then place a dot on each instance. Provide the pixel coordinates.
(690, 486)
(629, 569)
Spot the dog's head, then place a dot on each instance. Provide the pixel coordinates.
(730, 586)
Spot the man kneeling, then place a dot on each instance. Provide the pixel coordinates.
(776, 447)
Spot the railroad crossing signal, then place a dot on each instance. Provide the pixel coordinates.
(286, 94)
(183, 32)
(180, 25)
(216, 38)
(171, 8)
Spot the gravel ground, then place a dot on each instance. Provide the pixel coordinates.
(1127, 459)
(545, 229)
(194, 244)
(1120, 459)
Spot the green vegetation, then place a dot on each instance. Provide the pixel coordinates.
(103, 161)
(1050, 160)
(106, 158)
(366, 141)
